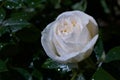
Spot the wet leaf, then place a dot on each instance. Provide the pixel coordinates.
(99, 50)
(13, 4)
(24, 73)
(2, 15)
(50, 64)
(15, 24)
(34, 3)
(105, 6)
(113, 54)
(101, 74)
(37, 74)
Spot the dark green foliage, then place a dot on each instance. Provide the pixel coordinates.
(101, 74)
(22, 56)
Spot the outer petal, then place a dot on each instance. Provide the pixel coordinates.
(93, 29)
(47, 43)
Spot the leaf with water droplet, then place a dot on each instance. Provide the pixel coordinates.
(101, 74)
(50, 64)
(99, 50)
(113, 54)
(2, 15)
(34, 3)
(16, 24)
(13, 4)
(22, 15)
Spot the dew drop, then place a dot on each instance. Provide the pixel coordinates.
(1, 15)
(10, 35)
(32, 3)
(20, 5)
(1, 46)
(58, 69)
(21, 19)
(10, 7)
(31, 65)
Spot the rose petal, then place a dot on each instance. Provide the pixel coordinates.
(47, 43)
(79, 56)
(92, 27)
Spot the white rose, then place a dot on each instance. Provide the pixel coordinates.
(71, 37)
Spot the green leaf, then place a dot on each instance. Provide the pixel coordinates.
(24, 73)
(50, 64)
(3, 30)
(3, 66)
(113, 54)
(22, 15)
(13, 4)
(2, 15)
(105, 6)
(34, 3)
(16, 24)
(99, 50)
(37, 74)
(101, 74)
(80, 5)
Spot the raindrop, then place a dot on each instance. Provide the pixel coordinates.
(58, 69)
(31, 65)
(10, 35)
(32, 3)
(1, 46)
(20, 5)
(48, 66)
(65, 68)
(93, 79)
(30, 78)
(21, 19)
(10, 7)
(1, 15)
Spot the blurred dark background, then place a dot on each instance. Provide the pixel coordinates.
(21, 22)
